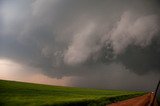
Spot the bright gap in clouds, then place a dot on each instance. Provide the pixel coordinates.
(9, 70)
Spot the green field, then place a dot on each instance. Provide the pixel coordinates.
(27, 94)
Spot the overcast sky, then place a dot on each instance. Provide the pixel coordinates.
(105, 44)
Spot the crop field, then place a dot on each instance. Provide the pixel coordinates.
(14, 93)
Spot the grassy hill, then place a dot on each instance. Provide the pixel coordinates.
(14, 93)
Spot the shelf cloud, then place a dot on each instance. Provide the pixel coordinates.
(85, 39)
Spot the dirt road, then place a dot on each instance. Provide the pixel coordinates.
(144, 100)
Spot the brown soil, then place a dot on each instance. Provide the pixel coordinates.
(144, 100)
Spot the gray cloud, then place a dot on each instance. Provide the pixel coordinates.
(82, 46)
(139, 31)
(116, 76)
(84, 38)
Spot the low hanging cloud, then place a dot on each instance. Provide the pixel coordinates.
(83, 39)
(82, 46)
(139, 31)
(130, 30)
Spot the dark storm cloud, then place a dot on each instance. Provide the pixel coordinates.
(116, 76)
(83, 38)
(142, 60)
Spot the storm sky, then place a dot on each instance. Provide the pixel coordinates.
(105, 44)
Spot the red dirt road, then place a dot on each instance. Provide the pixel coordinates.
(144, 100)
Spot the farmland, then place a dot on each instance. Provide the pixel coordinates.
(14, 93)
